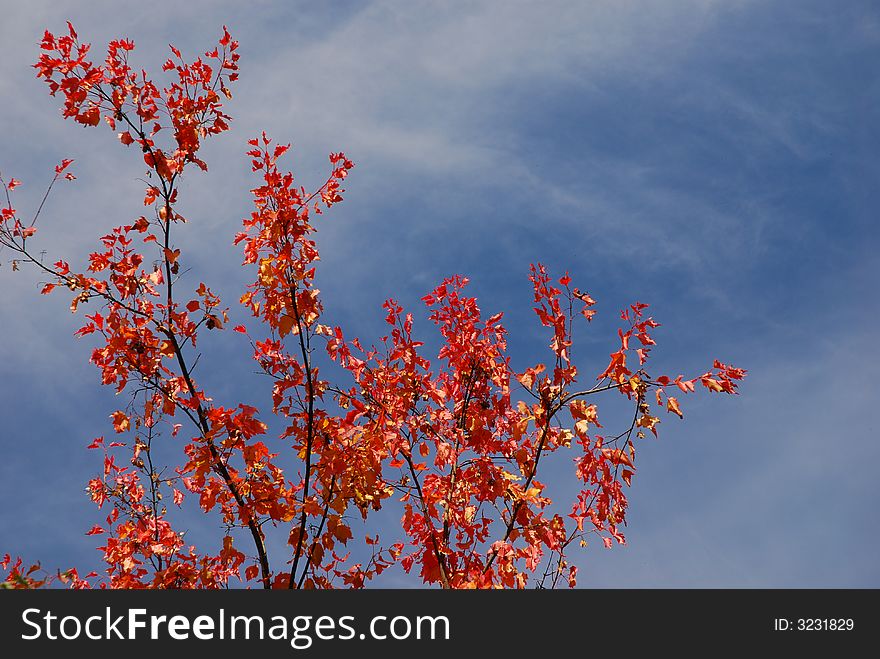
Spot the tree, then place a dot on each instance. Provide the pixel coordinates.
(458, 441)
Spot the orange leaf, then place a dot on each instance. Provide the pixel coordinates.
(617, 456)
(342, 533)
(712, 384)
(285, 324)
(121, 422)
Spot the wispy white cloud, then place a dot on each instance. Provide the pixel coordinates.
(786, 464)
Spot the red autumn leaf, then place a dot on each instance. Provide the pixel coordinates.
(91, 117)
(711, 384)
(686, 386)
(121, 422)
(672, 406)
(285, 324)
(617, 456)
(64, 165)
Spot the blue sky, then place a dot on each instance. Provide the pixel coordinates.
(715, 159)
